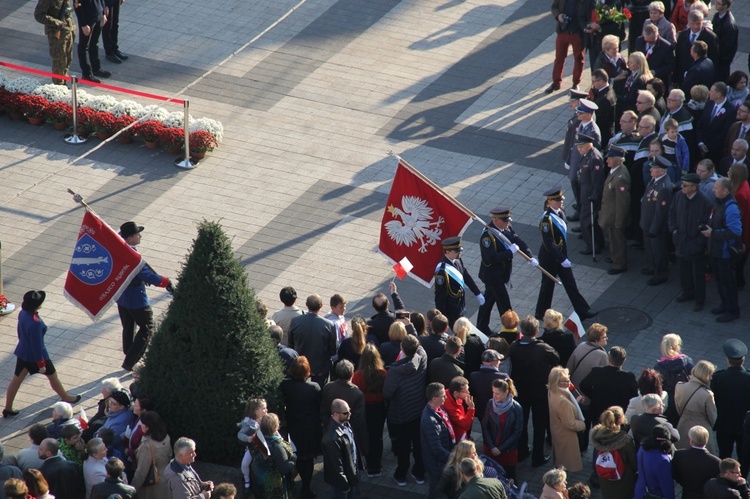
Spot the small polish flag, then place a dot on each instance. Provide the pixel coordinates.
(403, 267)
(574, 325)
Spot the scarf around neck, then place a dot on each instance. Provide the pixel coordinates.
(501, 408)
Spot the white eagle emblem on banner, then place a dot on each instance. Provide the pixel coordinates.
(415, 225)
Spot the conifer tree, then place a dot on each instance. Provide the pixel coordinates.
(211, 351)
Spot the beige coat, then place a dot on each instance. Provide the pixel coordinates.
(565, 423)
(550, 493)
(700, 410)
(584, 360)
(162, 455)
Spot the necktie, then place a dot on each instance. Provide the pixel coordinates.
(693, 36)
(714, 112)
(743, 132)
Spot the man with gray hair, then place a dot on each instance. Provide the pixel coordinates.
(6, 471)
(314, 337)
(644, 105)
(737, 154)
(642, 424)
(740, 129)
(694, 466)
(658, 51)
(478, 487)
(686, 39)
(659, 21)
(182, 480)
(345, 390)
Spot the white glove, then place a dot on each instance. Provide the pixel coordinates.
(534, 262)
(128, 432)
(480, 299)
(566, 264)
(513, 248)
(567, 166)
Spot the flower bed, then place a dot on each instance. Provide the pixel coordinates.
(105, 115)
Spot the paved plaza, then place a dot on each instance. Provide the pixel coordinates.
(312, 95)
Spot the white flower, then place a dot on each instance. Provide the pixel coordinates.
(177, 119)
(53, 93)
(213, 127)
(22, 85)
(126, 107)
(82, 97)
(101, 102)
(152, 112)
(3, 80)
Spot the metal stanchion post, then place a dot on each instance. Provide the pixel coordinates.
(74, 138)
(185, 162)
(5, 306)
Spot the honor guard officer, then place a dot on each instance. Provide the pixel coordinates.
(451, 280)
(615, 213)
(587, 126)
(655, 205)
(571, 129)
(497, 264)
(553, 256)
(591, 177)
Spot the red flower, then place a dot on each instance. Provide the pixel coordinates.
(627, 13)
(595, 17)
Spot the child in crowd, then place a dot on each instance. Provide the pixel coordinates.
(698, 98)
(254, 411)
(675, 150)
(738, 91)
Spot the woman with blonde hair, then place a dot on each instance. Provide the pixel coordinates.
(554, 335)
(566, 420)
(608, 436)
(555, 481)
(695, 404)
(674, 366)
(637, 77)
(509, 331)
(610, 59)
(473, 346)
(351, 348)
(450, 480)
(390, 349)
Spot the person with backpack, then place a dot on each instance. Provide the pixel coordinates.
(616, 462)
(674, 367)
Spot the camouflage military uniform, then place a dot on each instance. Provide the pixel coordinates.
(56, 15)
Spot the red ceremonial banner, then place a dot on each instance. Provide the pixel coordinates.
(417, 217)
(102, 265)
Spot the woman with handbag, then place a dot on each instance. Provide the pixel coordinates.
(695, 405)
(566, 420)
(655, 466)
(152, 457)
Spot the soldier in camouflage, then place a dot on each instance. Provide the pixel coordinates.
(56, 15)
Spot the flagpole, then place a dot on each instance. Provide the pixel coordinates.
(468, 211)
(79, 199)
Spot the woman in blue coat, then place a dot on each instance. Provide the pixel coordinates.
(31, 354)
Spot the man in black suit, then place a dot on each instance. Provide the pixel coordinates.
(740, 129)
(659, 53)
(113, 484)
(604, 97)
(609, 385)
(314, 337)
(738, 154)
(380, 323)
(727, 32)
(731, 389)
(65, 478)
(717, 117)
(702, 71)
(642, 424)
(694, 466)
(686, 39)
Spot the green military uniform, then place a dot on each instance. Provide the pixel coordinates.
(614, 216)
(56, 15)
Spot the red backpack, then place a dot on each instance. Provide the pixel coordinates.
(609, 465)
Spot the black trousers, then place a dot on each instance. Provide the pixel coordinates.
(657, 253)
(547, 289)
(538, 406)
(406, 440)
(726, 440)
(111, 30)
(693, 278)
(495, 293)
(726, 284)
(134, 346)
(88, 49)
(375, 419)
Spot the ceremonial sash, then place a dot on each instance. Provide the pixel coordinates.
(453, 273)
(560, 224)
(497, 236)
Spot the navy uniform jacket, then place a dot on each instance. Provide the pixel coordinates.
(592, 174)
(497, 259)
(554, 239)
(731, 387)
(655, 205)
(31, 330)
(450, 297)
(134, 296)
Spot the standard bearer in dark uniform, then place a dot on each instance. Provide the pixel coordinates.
(497, 264)
(451, 281)
(553, 256)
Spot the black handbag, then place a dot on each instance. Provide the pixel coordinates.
(152, 477)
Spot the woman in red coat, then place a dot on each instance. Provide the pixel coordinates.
(741, 190)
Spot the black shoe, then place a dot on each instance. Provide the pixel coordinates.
(608, 260)
(127, 367)
(586, 251)
(9, 413)
(727, 317)
(575, 229)
(589, 315)
(614, 271)
(121, 55)
(91, 78)
(575, 217)
(648, 271)
(536, 464)
(655, 281)
(682, 298)
(113, 58)
(717, 310)
(552, 88)
(77, 399)
(102, 72)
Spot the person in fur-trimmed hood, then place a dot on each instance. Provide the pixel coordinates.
(608, 435)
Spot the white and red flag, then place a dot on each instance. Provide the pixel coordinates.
(574, 325)
(102, 265)
(418, 215)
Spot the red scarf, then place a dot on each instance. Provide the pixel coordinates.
(447, 422)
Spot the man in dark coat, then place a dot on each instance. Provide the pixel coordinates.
(727, 32)
(451, 281)
(659, 53)
(345, 390)
(603, 96)
(588, 127)
(113, 484)
(433, 343)
(380, 323)
(654, 214)
(642, 424)
(731, 389)
(690, 210)
(687, 38)
(571, 129)
(740, 129)
(480, 382)
(65, 478)
(532, 361)
(342, 459)
(702, 71)
(609, 385)
(717, 117)
(729, 484)
(437, 434)
(497, 264)
(592, 174)
(694, 466)
(447, 366)
(314, 337)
